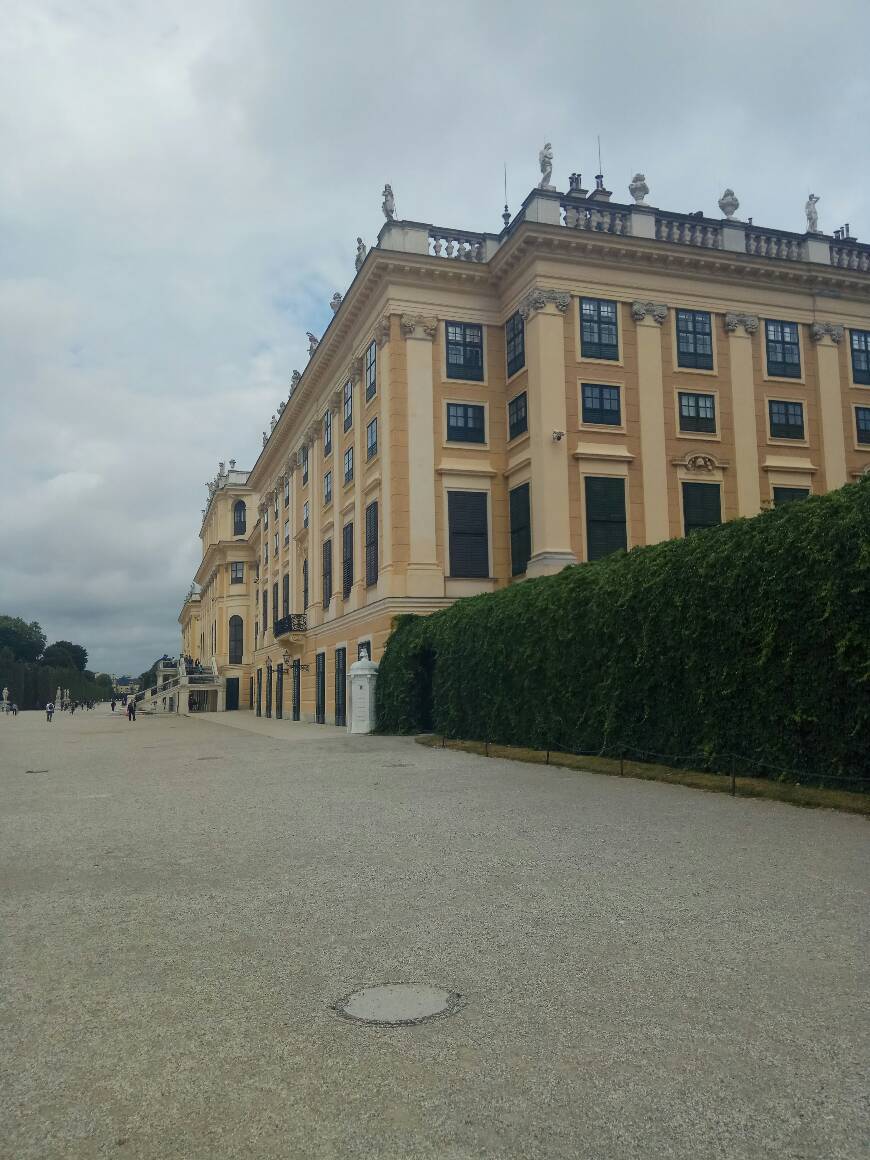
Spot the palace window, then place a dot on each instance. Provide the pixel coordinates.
(287, 531)
(370, 370)
(327, 573)
(265, 516)
(348, 465)
(372, 543)
(265, 610)
(515, 343)
(287, 492)
(605, 516)
(306, 512)
(702, 506)
(237, 573)
(862, 424)
(600, 404)
(237, 644)
(783, 349)
(275, 601)
(347, 406)
(518, 415)
(265, 551)
(464, 351)
(860, 344)
(697, 412)
(786, 419)
(521, 529)
(304, 464)
(327, 433)
(276, 545)
(285, 594)
(346, 560)
(784, 495)
(599, 337)
(239, 518)
(304, 583)
(327, 488)
(372, 439)
(694, 340)
(468, 533)
(465, 423)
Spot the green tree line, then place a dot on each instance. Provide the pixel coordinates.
(33, 670)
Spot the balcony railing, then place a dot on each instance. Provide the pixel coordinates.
(295, 622)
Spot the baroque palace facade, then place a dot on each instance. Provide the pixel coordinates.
(489, 407)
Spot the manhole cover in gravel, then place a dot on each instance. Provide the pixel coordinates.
(398, 1004)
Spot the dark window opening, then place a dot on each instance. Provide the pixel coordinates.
(599, 337)
(464, 351)
(468, 533)
(694, 340)
(605, 516)
(521, 529)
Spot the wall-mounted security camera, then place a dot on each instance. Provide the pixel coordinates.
(558, 436)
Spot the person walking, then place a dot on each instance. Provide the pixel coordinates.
(113, 704)
(14, 709)
(131, 710)
(49, 711)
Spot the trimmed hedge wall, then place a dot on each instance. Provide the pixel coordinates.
(748, 639)
(31, 685)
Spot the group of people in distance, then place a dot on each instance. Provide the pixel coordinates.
(67, 707)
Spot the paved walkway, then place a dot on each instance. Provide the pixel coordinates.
(650, 972)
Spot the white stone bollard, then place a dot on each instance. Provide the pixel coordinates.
(363, 683)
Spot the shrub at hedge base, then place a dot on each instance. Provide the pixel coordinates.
(749, 639)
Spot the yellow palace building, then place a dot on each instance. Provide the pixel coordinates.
(488, 407)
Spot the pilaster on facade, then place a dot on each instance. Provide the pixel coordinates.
(735, 322)
(649, 312)
(826, 337)
(424, 575)
(649, 317)
(741, 328)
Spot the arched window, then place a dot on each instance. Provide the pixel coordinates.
(237, 641)
(239, 518)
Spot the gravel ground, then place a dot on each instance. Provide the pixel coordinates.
(647, 971)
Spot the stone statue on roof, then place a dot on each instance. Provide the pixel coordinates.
(545, 160)
(389, 203)
(812, 214)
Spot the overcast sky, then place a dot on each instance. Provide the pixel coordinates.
(182, 184)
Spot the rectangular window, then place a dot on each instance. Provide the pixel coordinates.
(783, 495)
(276, 545)
(518, 415)
(598, 329)
(348, 465)
(306, 512)
(370, 370)
(327, 433)
(265, 517)
(275, 601)
(285, 594)
(465, 423)
(265, 610)
(521, 529)
(346, 560)
(860, 344)
(605, 516)
(304, 583)
(372, 543)
(601, 404)
(347, 406)
(237, 573)
(276, 504)
(515, 343)
(468, 533)
(304, 464)
(862, 424)
(327, 573)
(702, 506)
(783, 349)
(372, 439)
(286, 531)
(287, 492)
(786, 419)
(694, 340)
(464, 351)
(265, 551)
(697, 412)
(327, 488)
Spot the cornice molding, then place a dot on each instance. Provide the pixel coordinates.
(422, 326)
(540, 297)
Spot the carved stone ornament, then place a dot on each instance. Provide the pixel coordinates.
(818, 330)
(355, 370)
(312, 433)
(388, 205)
(272, 424)
(265, 438)
(419, 326)
(300, 457)
(313, 340)
(335, 301)
(656, 310)
(695, 461)
(360, 253)
(728, 203)
(294, 381)
(382, 331)
(335, 399)
(638, 188)
(538, 299)
(734, 321)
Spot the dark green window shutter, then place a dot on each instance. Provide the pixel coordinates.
(783, 495)
(702, 506)
(521, 529)
(605, 516)
(469, 538)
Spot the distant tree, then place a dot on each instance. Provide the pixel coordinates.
(57, 657)
(78, 653)
(26, 640)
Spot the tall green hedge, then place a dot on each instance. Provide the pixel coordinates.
(749, 639)
(31, 685)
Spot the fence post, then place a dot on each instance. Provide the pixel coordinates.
(733, 778)
(548, 757)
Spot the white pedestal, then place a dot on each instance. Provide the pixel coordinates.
(363, 682)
